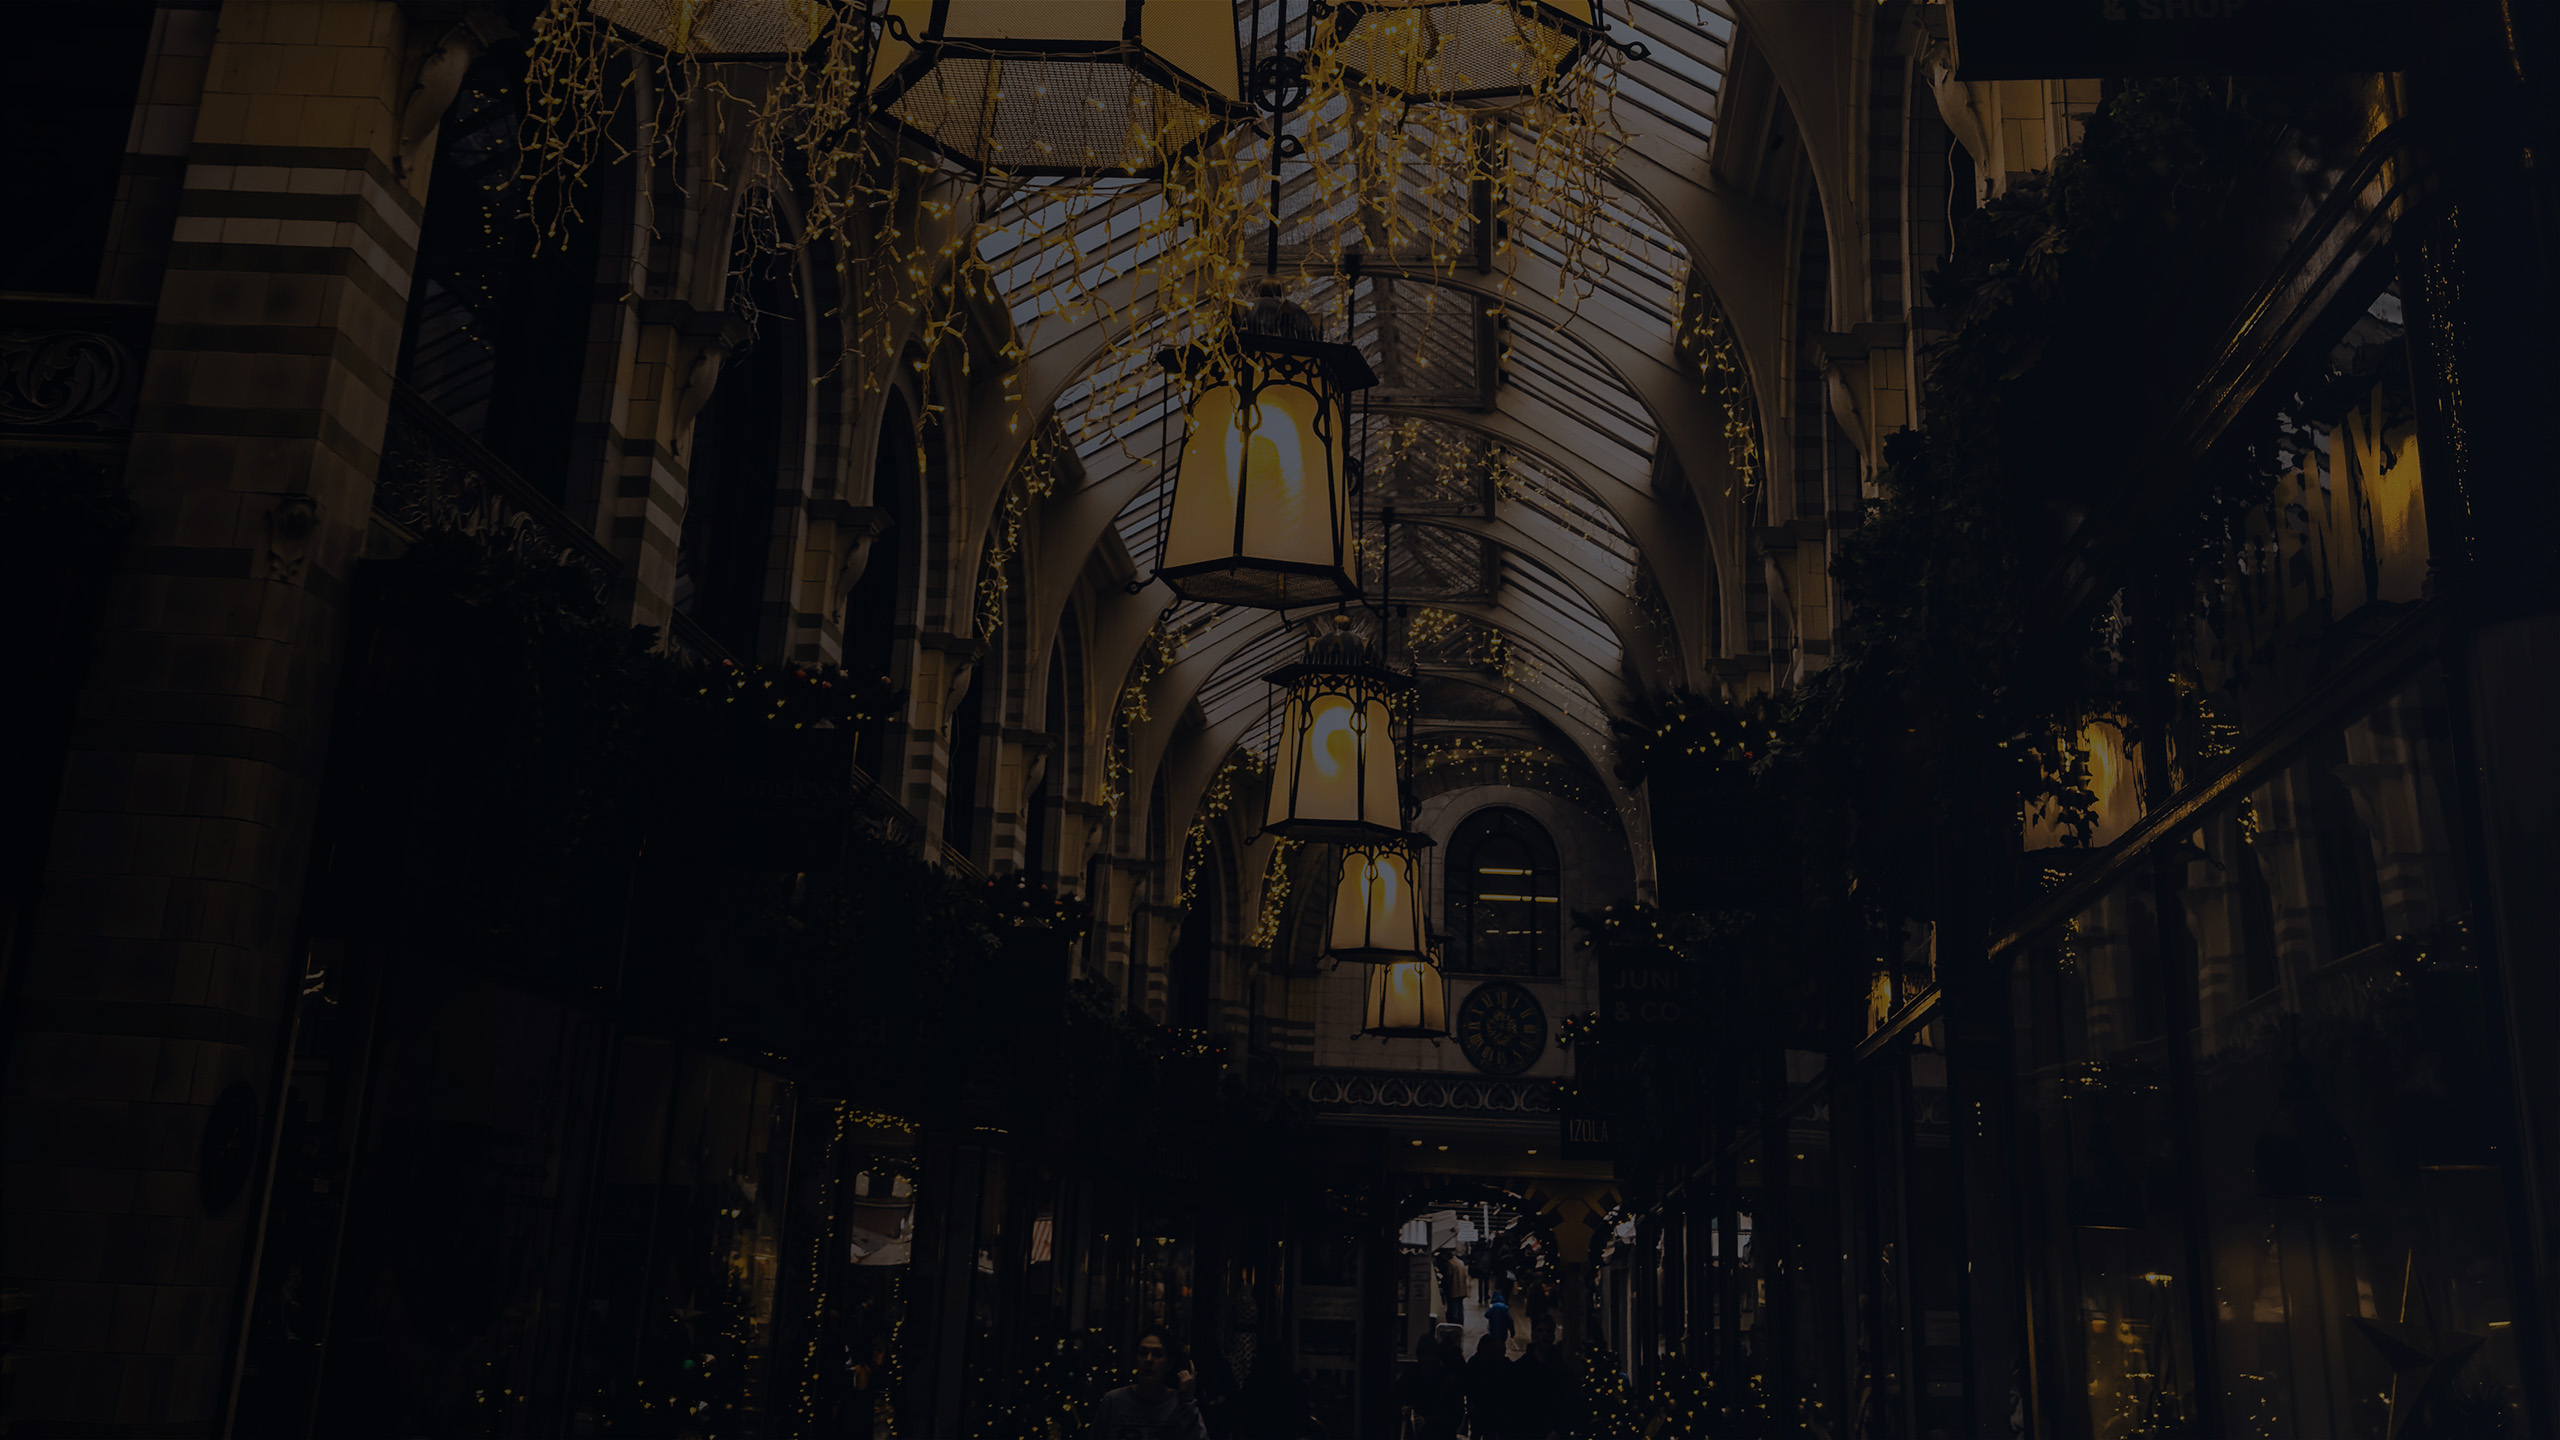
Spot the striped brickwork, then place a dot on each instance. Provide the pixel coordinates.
(155, 152)
(164, 949)
(627, 481)
(944, 660)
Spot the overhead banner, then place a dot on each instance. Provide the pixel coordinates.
(2121, 39)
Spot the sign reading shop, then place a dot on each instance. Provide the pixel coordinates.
(1643, 992)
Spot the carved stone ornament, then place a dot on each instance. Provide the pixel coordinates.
(856, 526)
(290, 525)
(65, 379)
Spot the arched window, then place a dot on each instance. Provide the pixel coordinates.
(1505, 911)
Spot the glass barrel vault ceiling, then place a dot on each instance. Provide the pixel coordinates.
(1491, 540)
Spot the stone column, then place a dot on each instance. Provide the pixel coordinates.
(139, 1088)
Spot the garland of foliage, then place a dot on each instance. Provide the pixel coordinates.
(2047, 290)
(1793, 831)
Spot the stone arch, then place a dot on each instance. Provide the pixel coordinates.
(882, 607)
(745, 452)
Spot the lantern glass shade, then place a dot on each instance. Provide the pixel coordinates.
(719, 29)
(1377, 908)
(1262, 490)
(1407, 1000)
(1335, 775)
(1060, 87)
(1460, 50)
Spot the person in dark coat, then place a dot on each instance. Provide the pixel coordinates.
(1544, 1392)
(1159, 1405)
(1490, 1401)
(1432, 1394)
(1273, 1406)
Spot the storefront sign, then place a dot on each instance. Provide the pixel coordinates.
(1586, 1134)
(1644, 994)
(2084, 39)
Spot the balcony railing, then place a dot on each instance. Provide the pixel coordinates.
(435, 477)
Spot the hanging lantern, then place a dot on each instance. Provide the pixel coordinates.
(1262, 490)
(1060, 87)
(720, 29)
(1377, 907)
(1408, 1000)
(1460, 50)
(1335, 776)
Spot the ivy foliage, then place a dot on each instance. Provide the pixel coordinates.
(1795, 833)
(1946, 683)
(527, 785)
(1950, 701)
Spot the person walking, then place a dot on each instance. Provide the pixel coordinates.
(1497, 1320)
(1431, 1395)
(1544, 1392)
(1158, 1406)
(1455, 1284)
(1490, 1401)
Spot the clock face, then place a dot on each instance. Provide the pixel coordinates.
(1502, 1029)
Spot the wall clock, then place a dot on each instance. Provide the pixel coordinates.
(1502, 1029)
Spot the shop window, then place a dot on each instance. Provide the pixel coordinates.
(2096, 1106)
(2334, 1141)
(1504, 905)
(2257, 925)
(2351, 890)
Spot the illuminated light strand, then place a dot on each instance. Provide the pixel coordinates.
(1215, 802)
(1275, 892)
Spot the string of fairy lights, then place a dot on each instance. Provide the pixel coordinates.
(1275, 893)
(1035, 477)
(1705, 340)
(1156, 656)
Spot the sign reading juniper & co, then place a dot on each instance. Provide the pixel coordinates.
(1643, 993)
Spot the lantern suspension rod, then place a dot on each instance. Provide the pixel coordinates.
(1386, 572)
(1271, 232)
(1280, 84)
(1271, 169)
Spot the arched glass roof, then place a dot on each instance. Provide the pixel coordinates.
(1521, 567)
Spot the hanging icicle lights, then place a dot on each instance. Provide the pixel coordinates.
(1155, 252)
(1459, 50)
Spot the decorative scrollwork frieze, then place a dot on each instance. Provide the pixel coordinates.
(66, 380)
